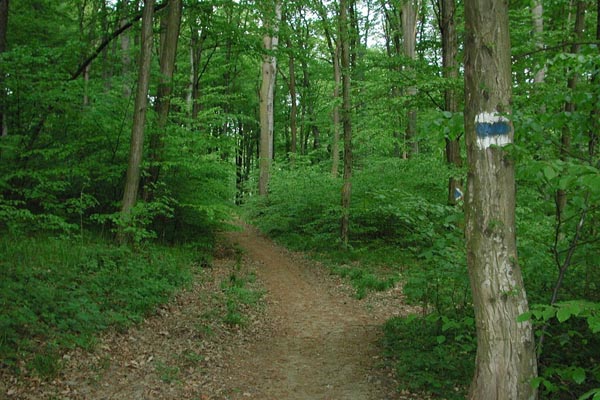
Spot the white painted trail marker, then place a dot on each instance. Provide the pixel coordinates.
(492, 130)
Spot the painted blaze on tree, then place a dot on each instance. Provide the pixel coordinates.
(506, 359)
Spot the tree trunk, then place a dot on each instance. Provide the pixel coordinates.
(170, 24)
(335, 144)
(3, 30)
(125, 49)
(450, 71)
(139, 117)
(294, 100)
(409, 33)
(537, 16)
(197, 49)
(565, 139)
(334, 51)
(267, 89)
(346, 121)
(506, 359)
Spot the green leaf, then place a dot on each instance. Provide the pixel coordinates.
(588, 395)
(440, 339)
(563, 314)
(549, 172)
(578, 375)
(526, 316)
(594, 323)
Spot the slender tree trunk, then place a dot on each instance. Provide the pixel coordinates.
(335, 144)
(506, 359)
(132, 180)
(565, 139)
(334, 51)
(393, 17)
(125, 49)
(344, 40)
(450, 71)
(197, 49)
(294, 100)
(267, 89)
(409, 32)
(3, 30)
(537, 15)
(170, 23)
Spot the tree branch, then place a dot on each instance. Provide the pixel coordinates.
(549, 48)
(110, 38)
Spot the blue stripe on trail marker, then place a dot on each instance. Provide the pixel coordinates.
(487, 129)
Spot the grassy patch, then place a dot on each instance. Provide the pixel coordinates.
(363, 280)
(238, 295)
(56, 294)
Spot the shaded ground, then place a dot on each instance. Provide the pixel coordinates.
(308, 339)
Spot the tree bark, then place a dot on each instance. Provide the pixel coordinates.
(409, 33)
(335, 143)
(346, 121)
(506, 359)
(334, 51)
(537, 15)
(3, 30)
(132, 180)
(267, 89)
(125, 48)
(171, 23)
(450, 72)
(294, 100)
(565, 139)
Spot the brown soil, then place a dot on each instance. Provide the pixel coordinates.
(309, 338)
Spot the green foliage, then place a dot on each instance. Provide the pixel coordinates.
(56, 293)
(566, 326)
(364, 281)
(433, 354)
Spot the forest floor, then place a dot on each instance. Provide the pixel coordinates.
(307, 337)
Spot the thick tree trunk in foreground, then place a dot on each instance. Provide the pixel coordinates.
(139, 117)
(506, 359)
(346, 121)
(267, 89)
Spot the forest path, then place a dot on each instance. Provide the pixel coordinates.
(308, 339)
(324, 344)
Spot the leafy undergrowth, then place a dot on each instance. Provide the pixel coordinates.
(432, 354)
(57, 294)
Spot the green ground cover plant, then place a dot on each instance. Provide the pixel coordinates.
(58, 293)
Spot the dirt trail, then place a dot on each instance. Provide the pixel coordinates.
(325, 344)
(310, 340)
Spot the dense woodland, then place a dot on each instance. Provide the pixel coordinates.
(134, 131)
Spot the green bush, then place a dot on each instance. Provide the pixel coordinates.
(432, 354)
